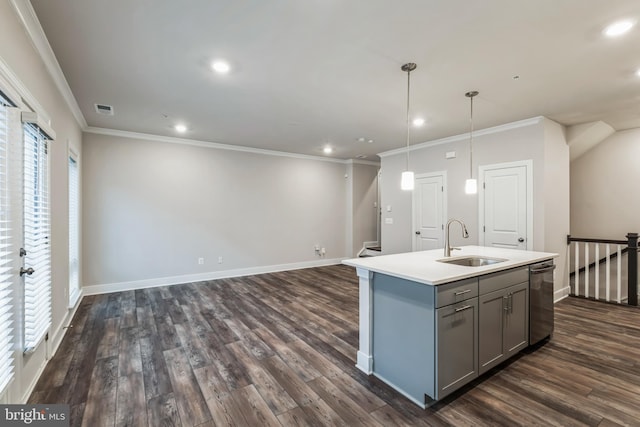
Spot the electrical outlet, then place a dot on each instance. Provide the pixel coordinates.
(200, 261)
(323, 251)
(220, 260)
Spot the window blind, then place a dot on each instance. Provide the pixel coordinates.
(6, 297)
(74, 247)
(37, 296)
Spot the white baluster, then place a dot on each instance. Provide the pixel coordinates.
(597, 276)
(619, 278)
(586, 270)
(607, 271)
(576, 277)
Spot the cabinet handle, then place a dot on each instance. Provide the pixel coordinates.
(505, 304)
(462, 292)
(463, 308)
(511, 303)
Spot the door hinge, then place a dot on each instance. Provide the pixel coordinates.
(484, 185)
(46, 337)
(442, 188)
(484, 229)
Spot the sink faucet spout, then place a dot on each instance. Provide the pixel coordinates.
(447, 240)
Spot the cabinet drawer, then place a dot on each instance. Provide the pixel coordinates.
(451, 293)
(503, 279)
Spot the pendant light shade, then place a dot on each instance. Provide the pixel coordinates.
(407, 180)
(471, 185)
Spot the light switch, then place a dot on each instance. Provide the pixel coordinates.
(388, 220)
(450, 155)
(388, 208)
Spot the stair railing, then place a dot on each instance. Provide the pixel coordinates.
(583, 288)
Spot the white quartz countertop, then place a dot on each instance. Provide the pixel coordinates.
(423, 267)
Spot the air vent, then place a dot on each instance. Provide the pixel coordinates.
(361, 156)
(106, 110)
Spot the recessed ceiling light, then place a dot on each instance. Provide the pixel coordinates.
(327, 150)
(180, 128)
(221, 67)
(361, 139)
(638, 72)
(418, 121)
(619, 28)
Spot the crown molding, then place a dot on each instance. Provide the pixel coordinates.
(361, 162)
(464, 136)
(34, 30)
(216, 145)
(19, 94)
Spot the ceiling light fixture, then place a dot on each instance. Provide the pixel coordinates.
(220, 67)
(180, 128)
(418, 121)
(618, 28)
(471, 185)
(407, 180)
(327, 150)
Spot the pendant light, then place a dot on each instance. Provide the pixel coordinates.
(407, 181)
(471, 185)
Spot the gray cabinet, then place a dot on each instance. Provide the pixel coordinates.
(503, 317)
(457, 345)
(429, 341)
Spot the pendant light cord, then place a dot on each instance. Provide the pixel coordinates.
(471, 142)
(471, 95)
(408, 125)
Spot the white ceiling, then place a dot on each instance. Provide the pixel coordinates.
(307, 73)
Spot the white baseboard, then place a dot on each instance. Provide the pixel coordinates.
(53, 344)
(60, 331)
(364, 363)
(200, 277)
(561, 294)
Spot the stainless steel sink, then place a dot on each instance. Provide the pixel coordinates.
(472, 261)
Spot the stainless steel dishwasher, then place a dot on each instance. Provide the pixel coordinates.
(540, 301)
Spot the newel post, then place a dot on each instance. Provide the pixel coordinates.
(632, 282)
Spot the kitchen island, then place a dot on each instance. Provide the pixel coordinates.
(429, 325)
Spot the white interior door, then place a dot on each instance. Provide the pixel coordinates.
(506, 205)
(429, 211)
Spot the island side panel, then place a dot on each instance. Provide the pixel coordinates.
(364, 360)
(404, 336)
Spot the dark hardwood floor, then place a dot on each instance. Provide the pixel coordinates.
(279, 349)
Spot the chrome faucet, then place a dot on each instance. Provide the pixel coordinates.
(447, 240)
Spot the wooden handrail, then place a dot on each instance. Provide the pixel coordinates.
(591, 240)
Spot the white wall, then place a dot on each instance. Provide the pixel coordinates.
(604, 188)
(18, 54)
(556, 200)
(507, 144)
(364, 197)
(153, 208)
(540, 140)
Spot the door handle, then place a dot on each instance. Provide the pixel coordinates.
(417, 233)
(29, 271)
(521, 239)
